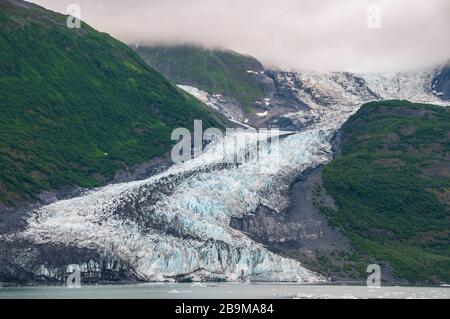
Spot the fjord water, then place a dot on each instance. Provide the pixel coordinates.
(223, 291)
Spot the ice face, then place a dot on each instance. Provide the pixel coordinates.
(177, 222)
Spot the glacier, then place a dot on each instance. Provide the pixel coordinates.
(177, 223)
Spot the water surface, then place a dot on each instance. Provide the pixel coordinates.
(221, 291)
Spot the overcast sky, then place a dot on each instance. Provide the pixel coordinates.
(293, 34)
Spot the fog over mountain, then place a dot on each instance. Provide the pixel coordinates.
(320, 35)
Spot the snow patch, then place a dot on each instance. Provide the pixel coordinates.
(262, 114)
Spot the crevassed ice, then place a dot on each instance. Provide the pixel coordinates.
(188, 229)
(337, 95)
(177, 222)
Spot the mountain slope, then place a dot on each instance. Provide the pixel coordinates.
(77, 105)
(224, 72)
(209, 74)
(391, 185)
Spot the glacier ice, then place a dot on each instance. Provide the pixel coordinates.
(177, 222)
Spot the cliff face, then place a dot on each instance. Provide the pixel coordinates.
(24, 262)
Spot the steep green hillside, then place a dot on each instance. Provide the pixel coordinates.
(392, 187)
(213, 71)
(76, 105)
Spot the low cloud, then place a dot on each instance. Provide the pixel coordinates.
(293, 34)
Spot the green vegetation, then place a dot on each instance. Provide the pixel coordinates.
(213, 71)
(77, 105)
(392, 187)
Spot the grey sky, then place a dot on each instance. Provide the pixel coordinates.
(293, 34)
